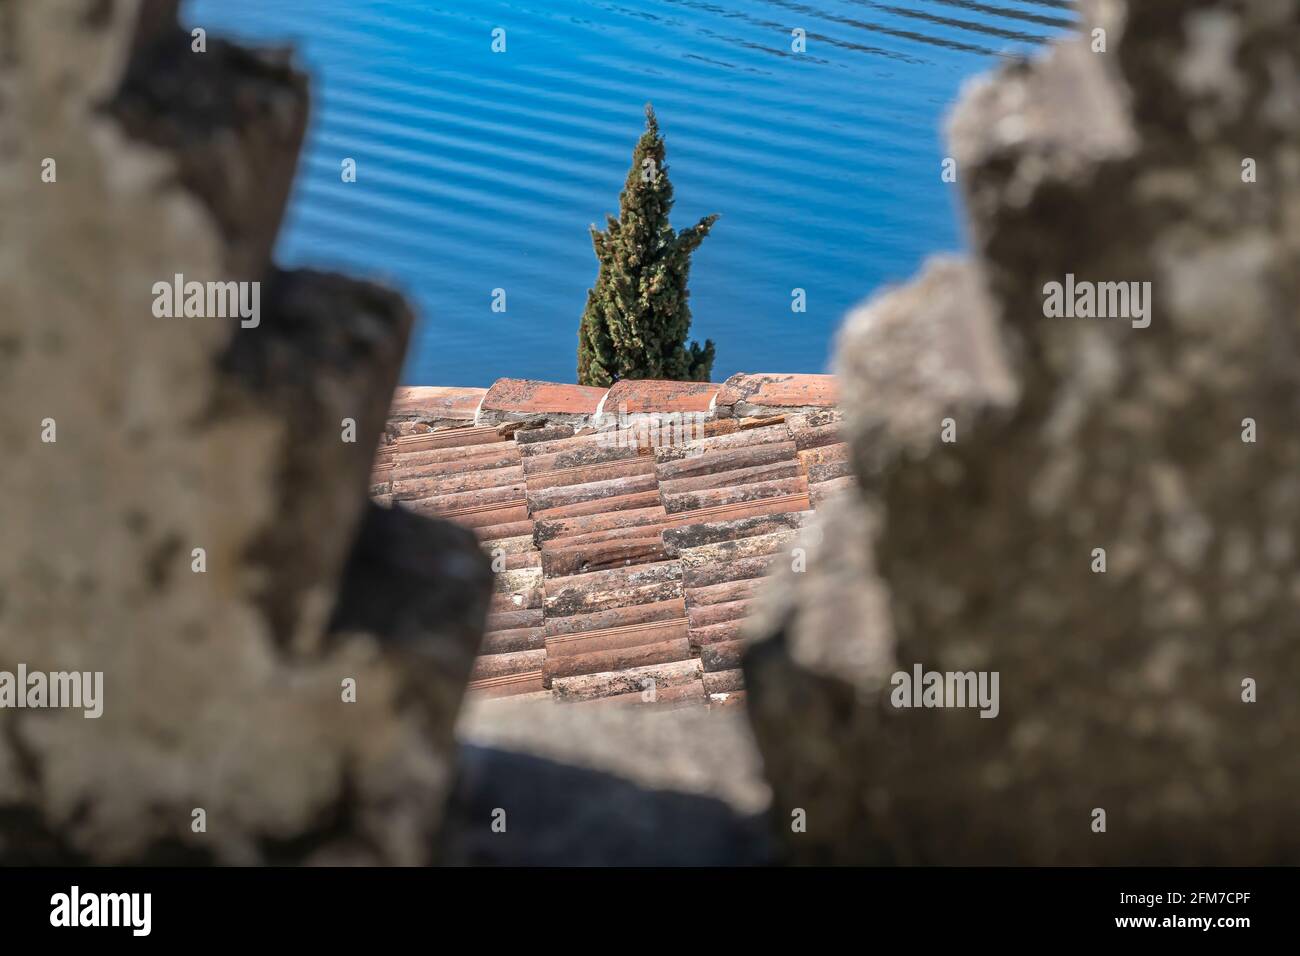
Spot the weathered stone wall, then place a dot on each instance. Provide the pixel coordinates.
(1123, 690)
(223, 686)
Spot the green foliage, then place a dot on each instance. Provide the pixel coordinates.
(637, 318)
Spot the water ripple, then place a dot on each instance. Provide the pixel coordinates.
(479, 171)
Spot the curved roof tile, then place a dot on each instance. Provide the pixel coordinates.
(435, 403)
(653, 395)
(767, 393)
(517, 399)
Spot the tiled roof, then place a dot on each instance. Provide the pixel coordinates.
(628, 528)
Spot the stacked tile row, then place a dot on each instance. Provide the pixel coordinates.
(473, 475)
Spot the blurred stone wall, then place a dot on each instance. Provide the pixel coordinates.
(1149, 710)
(183, 499)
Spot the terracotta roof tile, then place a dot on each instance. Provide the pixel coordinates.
(706, 615)
(529, 682)
(721, 682)
(516, 399)
(615, 658)
(503, 665)
(650, 395)
(712, 532)
(514, 639)
(578, 557)
(635, 680)
(505, 529)
(730, 494)
(729, 630)
(516, 590)
(636, 499)
(513, 618)
(435, 404)
(629, 635)
(515, 545)
(725, 460)
(723, 593)
(741, 438)
(464, 481)
(672, 609)
(823, 468)
(748, 475)
(722, 656)
(748, 394)
(557, 496)
(451, 460)
(530, 436)
(613, 588)
(810, 431)
(583, 467)
(555, 530)
(577, 456)
(454, 504)
(449, 438)
(821, 491)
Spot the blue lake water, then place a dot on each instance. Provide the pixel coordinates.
(479, 170)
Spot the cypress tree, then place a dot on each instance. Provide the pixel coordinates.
(637, 319)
